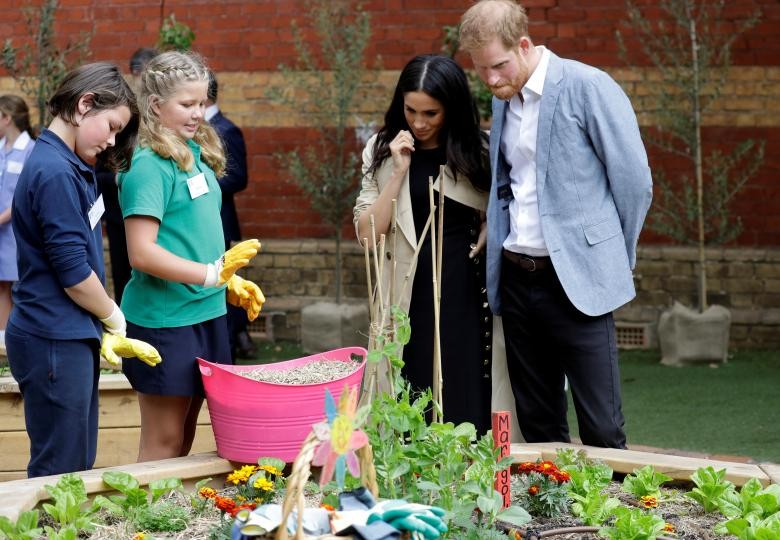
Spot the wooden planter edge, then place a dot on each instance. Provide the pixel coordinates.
(17, 496)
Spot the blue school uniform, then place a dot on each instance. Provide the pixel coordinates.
(52, 343)
(11, 164)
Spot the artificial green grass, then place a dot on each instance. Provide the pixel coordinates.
(731, 408)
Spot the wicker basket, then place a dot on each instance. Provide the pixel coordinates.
(301, 470)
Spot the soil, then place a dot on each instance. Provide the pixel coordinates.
(687, 517)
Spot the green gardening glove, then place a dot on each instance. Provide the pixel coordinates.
(415, 518)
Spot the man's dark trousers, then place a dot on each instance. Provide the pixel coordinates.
(547, 339)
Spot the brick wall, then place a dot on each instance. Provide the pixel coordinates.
(245, 41)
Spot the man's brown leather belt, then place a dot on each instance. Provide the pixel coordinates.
(526, 262)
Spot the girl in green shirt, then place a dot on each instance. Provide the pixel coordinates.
(175, 299)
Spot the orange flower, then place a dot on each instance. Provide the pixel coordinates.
(533, 490)
(207, 492)
(648, 501)
(328, 507)
(547, 467)
(668, 527)
(560, 476)
(225, 505)
(526, 467)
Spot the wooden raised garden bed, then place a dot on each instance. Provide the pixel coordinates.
(119, 427)
(20, 495)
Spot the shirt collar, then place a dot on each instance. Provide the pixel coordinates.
(48, 136)
(211, 112)
(535, 82)
(22, 141)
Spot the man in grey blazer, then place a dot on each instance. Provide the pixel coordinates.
(570, 191)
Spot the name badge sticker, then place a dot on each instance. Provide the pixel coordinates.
(96, 212)
(15, 167)
(197, 186)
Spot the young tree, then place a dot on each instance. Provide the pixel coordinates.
(691, 49)
(40, 68)
(324, 85)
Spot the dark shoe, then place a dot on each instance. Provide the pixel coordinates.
(244, 346)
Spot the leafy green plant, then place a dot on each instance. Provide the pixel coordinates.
(752, 499)
(69, 495)
(594, 508)
(132, 497)
(25, 528)
(690, 46)
(633, 524)
(174, 35)
(162, 516)
(324, 85)
(40, 68)
(710, 488)
(585, 475)
(754, 528)
(645, 482)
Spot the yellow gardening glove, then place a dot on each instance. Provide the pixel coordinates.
(114, 346)
(236, 257)
(245, 294)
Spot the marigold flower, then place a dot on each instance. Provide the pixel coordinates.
(328, 507)
(546, 467)
(224, 504)
(242, 475)
(648, 501)
(526, 467)
(264, 484)
(139, 536)
(560, 476)
(270, 469)
(668, 527)
(533, 490)
(207, 492)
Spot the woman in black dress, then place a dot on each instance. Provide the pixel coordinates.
(433, 121)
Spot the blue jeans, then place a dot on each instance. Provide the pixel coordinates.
(58, 380)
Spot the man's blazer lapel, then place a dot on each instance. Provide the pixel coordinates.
(552, 89)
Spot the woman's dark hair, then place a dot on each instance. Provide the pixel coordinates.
(108, 90)
(441, 78)
(16, 108)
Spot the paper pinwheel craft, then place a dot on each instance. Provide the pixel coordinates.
(339, 437)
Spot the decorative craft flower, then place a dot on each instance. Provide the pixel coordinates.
(339, 437)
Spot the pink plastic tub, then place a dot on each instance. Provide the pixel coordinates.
(253, 419)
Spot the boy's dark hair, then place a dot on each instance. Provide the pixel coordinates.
(213, 89)
(140, 58)
(108, 90)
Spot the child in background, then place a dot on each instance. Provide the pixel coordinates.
(16, 143)
(60, 307)
(175, 300)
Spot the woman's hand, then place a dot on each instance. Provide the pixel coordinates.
(481, 241)
(401, 149)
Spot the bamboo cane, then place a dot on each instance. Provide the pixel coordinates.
(439, 261)
(439, 412)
